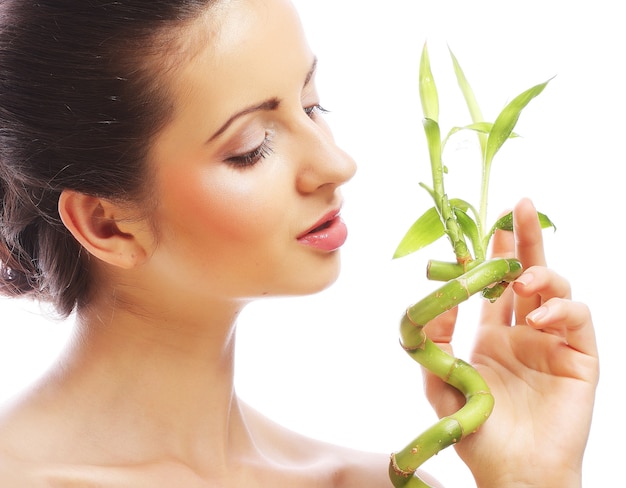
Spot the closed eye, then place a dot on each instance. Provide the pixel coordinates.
(252, 157)
(315, 109)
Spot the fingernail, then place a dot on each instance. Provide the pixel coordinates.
(525, 279)
(537, 315)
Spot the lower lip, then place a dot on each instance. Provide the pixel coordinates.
(329, 239)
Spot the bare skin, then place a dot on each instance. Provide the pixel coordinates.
(144, 395)
(275, 457)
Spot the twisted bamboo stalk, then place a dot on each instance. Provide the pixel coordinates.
(484, 277)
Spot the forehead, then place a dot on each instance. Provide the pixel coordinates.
(244, 51)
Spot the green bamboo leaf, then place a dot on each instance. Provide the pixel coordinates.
(428, 189)
(427, 88)
(503, 223)
(426, 230)
(466, 89)
(545, 221)
(433, 140)
(461, 204)
(479, 127)
(470, 98)
(506, 121)
(482, 127)
(470, 229)
(506, 223)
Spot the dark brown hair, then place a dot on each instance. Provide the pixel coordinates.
(81, 98)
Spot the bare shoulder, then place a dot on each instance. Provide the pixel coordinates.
(27, 474)
(13, 473)
(17, 473)
(341, 467)
(362, 469)
(36, 452)
(17, 467)
(26, 439)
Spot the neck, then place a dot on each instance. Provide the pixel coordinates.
(168, 380)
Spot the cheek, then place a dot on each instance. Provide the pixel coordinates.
(226, 206)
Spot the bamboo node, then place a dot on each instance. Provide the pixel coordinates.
(411, 321)
(397, 469)
(417, 347)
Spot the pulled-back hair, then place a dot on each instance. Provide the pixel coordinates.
(83, 91)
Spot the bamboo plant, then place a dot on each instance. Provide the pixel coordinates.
(471, 272)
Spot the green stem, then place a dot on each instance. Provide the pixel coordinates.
(457, 291)
(479, 402)
(448, 430)
(445, 271)
(484, 197)
(451, 226)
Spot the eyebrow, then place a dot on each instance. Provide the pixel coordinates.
(311, 72)
(269, 104)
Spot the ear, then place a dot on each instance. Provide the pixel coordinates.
(104, 229)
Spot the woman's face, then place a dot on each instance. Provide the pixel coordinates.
(247, 172)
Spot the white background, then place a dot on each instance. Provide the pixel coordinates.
(329, 365)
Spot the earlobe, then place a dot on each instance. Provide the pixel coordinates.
(96, 224)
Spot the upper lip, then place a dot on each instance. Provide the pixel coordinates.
(327, 217)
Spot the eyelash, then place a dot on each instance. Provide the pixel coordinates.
(254, 156)
(265, 148)
(315, 109)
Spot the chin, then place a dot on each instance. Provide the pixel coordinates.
(311, 282)
(321, 284)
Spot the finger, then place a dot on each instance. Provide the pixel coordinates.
(528, 238)
(543, 282)
(501, 310)
(441, 329)
(444, 399)
(528, 249)
(569, 320)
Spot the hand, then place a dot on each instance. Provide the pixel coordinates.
(536, 349)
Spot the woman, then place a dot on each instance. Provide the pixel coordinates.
(165, 162)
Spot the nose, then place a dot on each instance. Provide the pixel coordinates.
(322, 162)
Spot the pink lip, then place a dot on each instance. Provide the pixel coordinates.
(328, 234)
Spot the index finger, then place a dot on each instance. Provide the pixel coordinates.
(529, 250)
(528, 238)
